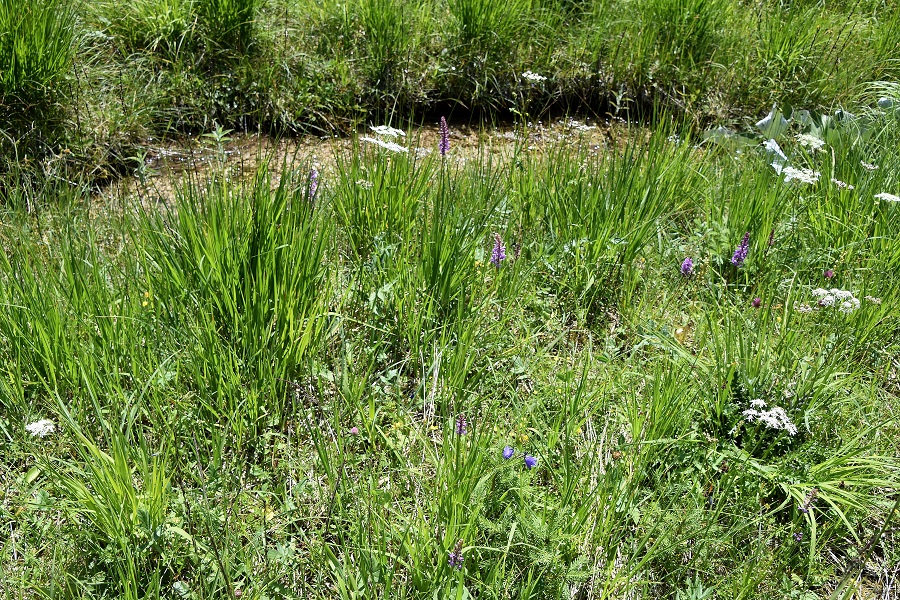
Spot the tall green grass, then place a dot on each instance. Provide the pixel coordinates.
(37, 45)
(259, 393)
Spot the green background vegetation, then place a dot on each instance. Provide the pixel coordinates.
(255, 388)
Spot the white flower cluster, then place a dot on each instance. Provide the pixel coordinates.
(868, 166)
(773, 418)
(845, 300)
(392, 146)
(842, 185)
(812, 142)
(802, 175)
(366, 185)
(533, 77)
(387, 131)
(887, 197)
(41, 428)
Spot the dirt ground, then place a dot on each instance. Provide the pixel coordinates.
(167, 166)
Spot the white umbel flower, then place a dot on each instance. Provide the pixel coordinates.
(810, 141)
(41, 428)
(774, 418)
(391, 146)
(887, 197)
(387, 131)
(533, 77)
(803, 175)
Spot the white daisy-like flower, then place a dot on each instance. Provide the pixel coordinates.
(533, 77)
(387, 131)
(807, 176)
(810, 141)
(868, 166)
(887, 197)
(391, 146)
(41, 428)
(841, 184)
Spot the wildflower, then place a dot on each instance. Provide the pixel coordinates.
(461, 425)
(498, 254)
(868, 166)
(807, 176)
(390, 146)
(873, 299)
(805, 309)
(444, 144)
(740, 253)
(533, 77)
(508, 452)
(841, 185)
(517, 251)
(758, 403)
(798, 537)
(807, 502)
(756, 302)
(41, 428)
(771, 238)
(387, 131)
(313, 183)
(456, 558)
(826, 300)
(687, 267)
(354, 431)
(828, 273)
(773, 418)
(366, 185)
(887, 197)
(530, 461)
(848, 306)
(812, 142)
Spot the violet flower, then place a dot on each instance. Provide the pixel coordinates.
(756, 302)
(456, 558)
(828, 273)
(740, 253)
(444, 144)
(508, 452)
(687, 267)
(530, 461)
(498, 254)
(461, 425)
(313, 184)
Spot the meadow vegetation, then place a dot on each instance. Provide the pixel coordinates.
(667, 366)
